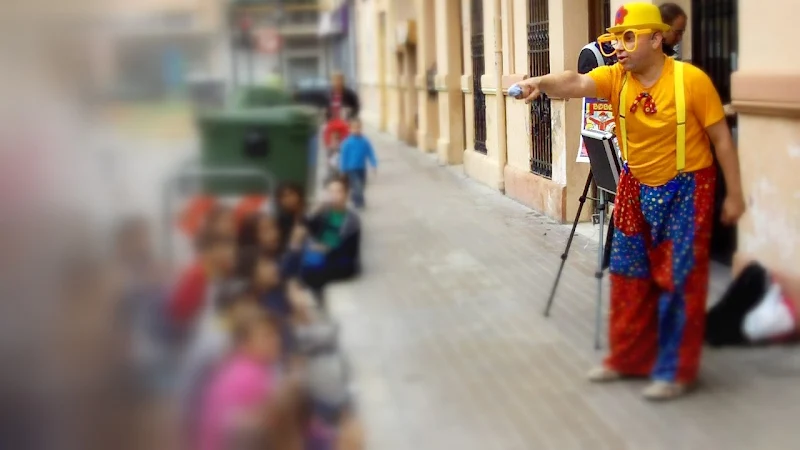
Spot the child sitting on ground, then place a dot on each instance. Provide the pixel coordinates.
(221, 221)
(290, 423)
(290, 209)
(260, 235)
(242, 384)
(216, 257)
(234, 305)
(334, 247)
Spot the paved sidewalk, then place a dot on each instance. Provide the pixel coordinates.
(451, 351)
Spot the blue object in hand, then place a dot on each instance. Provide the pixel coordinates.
(312, 257)
(515, 91)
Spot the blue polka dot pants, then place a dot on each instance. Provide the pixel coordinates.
(659, 275)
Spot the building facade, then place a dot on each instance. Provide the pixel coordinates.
(435, 73)
(301, 41)
(286, 41)
(337, 29)
(151, 48)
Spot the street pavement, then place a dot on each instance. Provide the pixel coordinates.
(450, 349)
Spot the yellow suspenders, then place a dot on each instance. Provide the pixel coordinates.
(680, 112)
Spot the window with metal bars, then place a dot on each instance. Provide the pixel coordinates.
(715, 44)
(715, 41)
(478, 69)
(539, 64)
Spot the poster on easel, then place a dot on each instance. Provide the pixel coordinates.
(597, 115)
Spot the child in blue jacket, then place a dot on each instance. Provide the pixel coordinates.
(355, 152)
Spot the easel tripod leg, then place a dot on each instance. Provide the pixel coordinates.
(599, 274)
(569, 244)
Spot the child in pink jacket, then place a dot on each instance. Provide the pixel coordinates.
(242, 385)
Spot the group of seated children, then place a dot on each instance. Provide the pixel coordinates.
(261, 367)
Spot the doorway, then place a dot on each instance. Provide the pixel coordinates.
(715, 48)
(599, 18)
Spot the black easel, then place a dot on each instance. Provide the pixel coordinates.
(606, 168)
(604, 252)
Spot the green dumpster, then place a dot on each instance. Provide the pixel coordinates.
(261, 97)
(281, 141)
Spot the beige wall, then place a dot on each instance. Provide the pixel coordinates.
(483, 167)
(428, 110)
(449, 68)
(386, 71)
(370, 65)
(765, 93)
(557, 197)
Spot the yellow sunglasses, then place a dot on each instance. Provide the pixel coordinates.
(627, 40)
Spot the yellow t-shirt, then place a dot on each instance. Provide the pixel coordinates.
(652, 155)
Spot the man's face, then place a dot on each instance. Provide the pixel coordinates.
(675, 35)
(355, 127)
(643, 45)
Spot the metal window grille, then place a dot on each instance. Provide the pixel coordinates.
(539, 64)
(478, 69)
(715, 38)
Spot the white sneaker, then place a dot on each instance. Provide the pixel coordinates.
(602, 374)
(770, 319)
(664, 390)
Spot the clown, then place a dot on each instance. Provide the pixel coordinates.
(668, 117)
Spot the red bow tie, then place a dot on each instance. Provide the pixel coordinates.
(647, 101)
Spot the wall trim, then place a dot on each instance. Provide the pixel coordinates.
(536, 192)
(766, 109)
(466, 84)
(447, 83)
(488, 84)
(766, 94)
(509, 80)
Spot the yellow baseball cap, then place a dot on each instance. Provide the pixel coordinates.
(638, 16)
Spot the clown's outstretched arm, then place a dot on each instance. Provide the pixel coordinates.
(567, 84)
